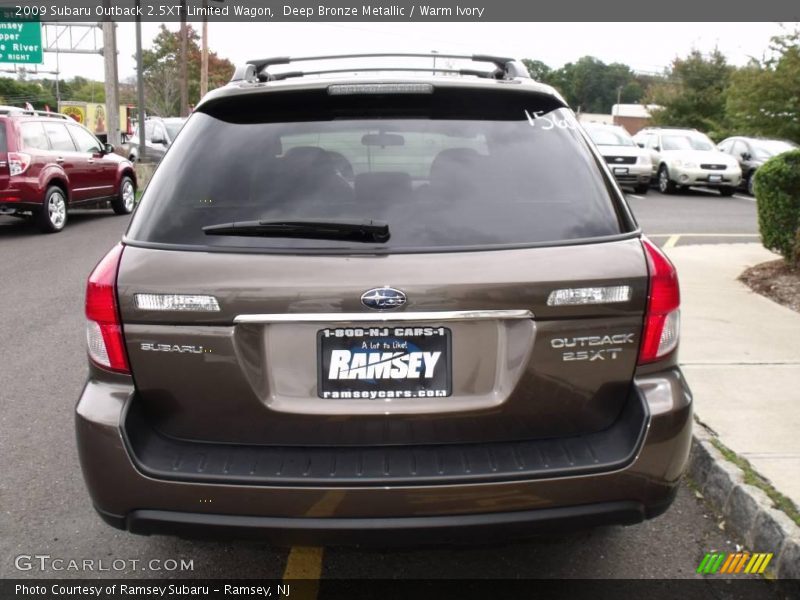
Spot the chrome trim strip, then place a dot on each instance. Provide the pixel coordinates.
(450, 315)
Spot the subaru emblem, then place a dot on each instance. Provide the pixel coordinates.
(383, 298)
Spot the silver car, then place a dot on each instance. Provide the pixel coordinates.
(686, 158)
(630, 164)
(159, 135)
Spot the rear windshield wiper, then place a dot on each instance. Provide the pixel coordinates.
(353, 231)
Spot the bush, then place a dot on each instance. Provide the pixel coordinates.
(777, 187)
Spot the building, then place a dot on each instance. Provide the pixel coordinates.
(632, 117)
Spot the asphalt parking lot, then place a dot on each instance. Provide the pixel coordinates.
(45, 508)
(697, 216)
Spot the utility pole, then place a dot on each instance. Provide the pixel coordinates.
(112, 78)
(140, 87)
(58, 87)
(204, 53)
(184, 62)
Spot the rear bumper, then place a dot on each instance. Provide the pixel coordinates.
(706, 177)
(449, 529)
(166, 458)
(13, 206)
(22, 192)
(631, 174)
(131, 499)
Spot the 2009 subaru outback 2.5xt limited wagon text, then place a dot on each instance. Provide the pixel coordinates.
(419, 300)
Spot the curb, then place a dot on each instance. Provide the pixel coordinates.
(747, 510)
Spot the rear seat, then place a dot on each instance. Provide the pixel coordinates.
(311, 173)
(454, 171)
(383, 187)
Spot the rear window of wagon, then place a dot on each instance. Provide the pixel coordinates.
(471, 176)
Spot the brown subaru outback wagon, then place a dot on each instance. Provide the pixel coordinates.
(378, 307)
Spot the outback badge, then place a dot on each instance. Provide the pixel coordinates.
(383, 298)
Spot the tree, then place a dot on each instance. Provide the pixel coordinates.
(537, 69)
(161, 69)
(127, 91)
(86, 90)
(764, 96)
(693, 94)
(590, 85)
(17, 92)
(42, 92)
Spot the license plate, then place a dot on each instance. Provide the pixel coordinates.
(620, 170)
(715, 177)
(380, 363)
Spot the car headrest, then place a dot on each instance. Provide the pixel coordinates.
(452, 163)
(306, 156)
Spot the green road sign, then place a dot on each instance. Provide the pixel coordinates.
(21, 42)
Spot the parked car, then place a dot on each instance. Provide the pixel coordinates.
(752, 153)
(423, 297)
(50, 164)
(685, 157)
(630, 164)
(159, 135)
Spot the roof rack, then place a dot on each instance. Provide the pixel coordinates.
(504, 67)
(16, 110)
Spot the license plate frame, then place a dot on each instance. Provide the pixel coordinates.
(401, 342)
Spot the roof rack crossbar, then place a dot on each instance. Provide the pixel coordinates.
(256, 70)
(16, 110)
(463, 72)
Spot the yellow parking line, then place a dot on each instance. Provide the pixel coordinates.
(673, 239)
(304, 563)
(303, 571)
(326, 505)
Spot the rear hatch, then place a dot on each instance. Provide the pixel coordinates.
(505, 302)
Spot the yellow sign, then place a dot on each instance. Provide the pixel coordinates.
(74, 111)
(96, 118)
(93, 115)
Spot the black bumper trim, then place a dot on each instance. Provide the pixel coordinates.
(166, 458)
(21, 206)
(381, 531)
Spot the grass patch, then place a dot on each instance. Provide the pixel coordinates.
(751, 477)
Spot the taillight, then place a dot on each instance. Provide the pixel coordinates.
(662, 320)
(18, 163)
(104, 329)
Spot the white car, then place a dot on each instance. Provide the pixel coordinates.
(630, 164)
(687, 158)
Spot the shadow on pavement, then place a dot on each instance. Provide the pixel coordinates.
(11, 227)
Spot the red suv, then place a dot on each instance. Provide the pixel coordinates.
(50, 164)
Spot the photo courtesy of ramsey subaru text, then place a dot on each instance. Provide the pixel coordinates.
(423, 293)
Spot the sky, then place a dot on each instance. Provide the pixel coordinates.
(648, 47)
